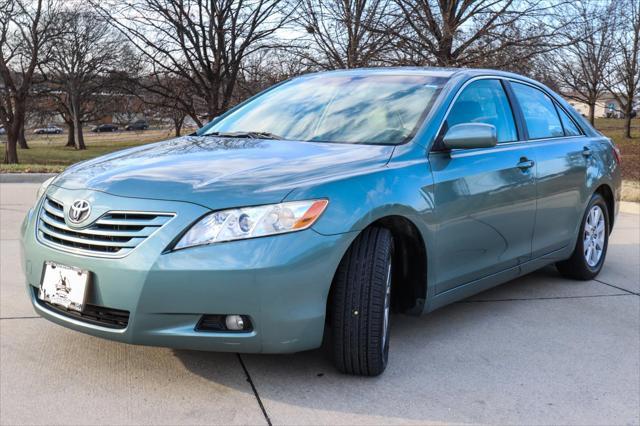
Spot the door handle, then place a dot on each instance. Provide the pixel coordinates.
(525, 164)
(586, 152)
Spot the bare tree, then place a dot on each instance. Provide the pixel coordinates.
(177, 118)
(264, 69)
(202, 42)
(26, 28)
(151, 91)
(63, 110)
(580, 67)
(496, 33)
(624, 79)
(82, 61)
(345, 33)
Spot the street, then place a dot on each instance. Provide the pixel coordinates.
(537, 350)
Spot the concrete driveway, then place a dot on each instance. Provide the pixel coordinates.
(537, 350)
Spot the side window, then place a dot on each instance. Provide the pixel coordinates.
(484, 101)
(540, 114)
(570, 128)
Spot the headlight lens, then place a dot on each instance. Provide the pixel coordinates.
(251, 222)
(44, 186)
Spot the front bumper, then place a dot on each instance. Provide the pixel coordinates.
(280, 282)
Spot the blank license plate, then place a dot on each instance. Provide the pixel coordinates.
(64, 286)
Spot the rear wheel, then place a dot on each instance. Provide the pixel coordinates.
(360, 304)
(591, 248)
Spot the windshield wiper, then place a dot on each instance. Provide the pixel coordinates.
(249, 135)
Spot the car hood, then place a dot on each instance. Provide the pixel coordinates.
(221, 172)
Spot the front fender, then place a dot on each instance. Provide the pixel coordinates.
(404, 187)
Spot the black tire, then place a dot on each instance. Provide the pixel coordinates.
(577, 267)
(360, 292)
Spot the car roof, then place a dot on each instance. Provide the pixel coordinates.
(429, 71)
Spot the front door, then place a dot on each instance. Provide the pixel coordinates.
(485, 198)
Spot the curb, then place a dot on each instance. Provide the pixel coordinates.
(25, 177)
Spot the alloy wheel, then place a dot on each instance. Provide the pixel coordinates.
(594, 235)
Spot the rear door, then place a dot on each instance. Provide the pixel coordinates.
(562, 153)
(485, 198)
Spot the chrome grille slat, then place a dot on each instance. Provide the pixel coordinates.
(114, 234)
(116, 222)
(95, 242)
(83, 248)
(54, 211)
(96, 231)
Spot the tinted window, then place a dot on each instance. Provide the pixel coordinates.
(539, 112)
(376, 109)
(484, 101)
(570, 128)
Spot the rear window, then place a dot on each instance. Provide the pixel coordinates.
(539, 112)
(570, 128)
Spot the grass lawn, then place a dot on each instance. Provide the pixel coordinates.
(630, 148)
(47, 153)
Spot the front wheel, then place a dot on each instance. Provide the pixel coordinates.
(591, 248)
(360, 304)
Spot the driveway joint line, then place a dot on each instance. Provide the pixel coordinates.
(619, 288)
(515, 299)
(255, 391)
(14, 318)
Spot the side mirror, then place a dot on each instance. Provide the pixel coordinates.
(470, 135)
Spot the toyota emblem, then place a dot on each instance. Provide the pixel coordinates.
(79, 211)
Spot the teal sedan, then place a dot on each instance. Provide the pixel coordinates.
(313, 210)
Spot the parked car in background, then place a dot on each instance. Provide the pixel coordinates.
(49, 130)
(137, 125)
(105, 128)
(2, 131)
(312, 211)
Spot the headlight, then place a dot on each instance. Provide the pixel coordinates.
(44, 186)
(251, 222)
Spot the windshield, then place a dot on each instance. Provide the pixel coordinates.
(374, 109)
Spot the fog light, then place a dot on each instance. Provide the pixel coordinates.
(234, 322)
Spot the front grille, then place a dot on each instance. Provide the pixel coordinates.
(114, 234)
(92, 314)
